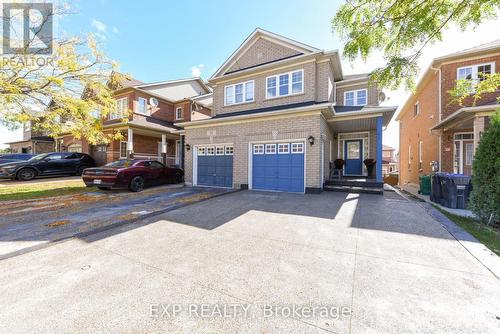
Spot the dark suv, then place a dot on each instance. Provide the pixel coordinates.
(59, 163)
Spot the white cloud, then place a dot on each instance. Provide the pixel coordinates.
(115, 30)
(100, 26)
(196, 70)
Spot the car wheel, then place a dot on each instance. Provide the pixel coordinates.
(26, 174)
(136, 184)
(80, 169)
(103, 188)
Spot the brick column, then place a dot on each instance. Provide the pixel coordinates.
(479, 124)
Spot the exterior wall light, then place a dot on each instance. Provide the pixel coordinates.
(310, 139)
(188, 147)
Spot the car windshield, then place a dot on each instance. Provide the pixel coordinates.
(121, 163)
(38, 157)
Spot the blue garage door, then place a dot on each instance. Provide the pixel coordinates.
(215, 166)
(278, 166)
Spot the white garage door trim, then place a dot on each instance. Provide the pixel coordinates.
(195, 162)
(250, 158)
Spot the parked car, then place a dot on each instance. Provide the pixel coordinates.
(132, 174)
(56, 163)
(14, 157)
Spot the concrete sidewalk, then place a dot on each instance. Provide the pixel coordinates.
(384, 258)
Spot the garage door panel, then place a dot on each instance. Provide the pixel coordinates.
(279, 170)
(215, 170)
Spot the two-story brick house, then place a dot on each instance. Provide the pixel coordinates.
(433, 127)
(149, 132)
(282, 111)
(34, 141)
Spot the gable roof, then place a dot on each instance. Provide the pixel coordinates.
(256, 35)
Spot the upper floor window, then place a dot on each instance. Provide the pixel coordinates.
(121, 109)
(355, 97)
(27, 126)
(285, 84)
(178, 113)
(475, 72)
(239, 93)
(142, 106)
(416, 109)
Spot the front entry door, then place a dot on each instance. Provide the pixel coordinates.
(468, 154)
(353, 152)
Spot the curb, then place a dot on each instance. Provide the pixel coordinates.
(475, 248)
(109, 227)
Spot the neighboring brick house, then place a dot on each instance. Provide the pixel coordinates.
(434, 128)
(34, 141)
(389, 162)
(149, 132)
(282, 112)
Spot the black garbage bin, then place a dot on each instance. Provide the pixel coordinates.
(455, 189)
(436, 192)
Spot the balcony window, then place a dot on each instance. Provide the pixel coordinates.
(121, 109)
(356, 97)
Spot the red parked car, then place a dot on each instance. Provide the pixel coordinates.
(131, 174)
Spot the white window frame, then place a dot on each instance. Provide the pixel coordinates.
(244, 93)
(139, 99)
(121, 109)
(229, 150)
(177, 113)
(217, 148)
(260, 149)
(202, 150)
(475, 72)
(271, 151)
(297, 148)
(283, 145)
(210, 148)
(27, 126)
(467, 161)
(356, 92)
(123, 156)
(416, 109)
(277, 87)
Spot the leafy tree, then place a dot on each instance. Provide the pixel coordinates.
(401, 29)
(485, 195)
(60, 93)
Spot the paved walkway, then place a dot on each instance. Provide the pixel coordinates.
(382, 258)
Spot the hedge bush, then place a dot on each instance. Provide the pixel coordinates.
(485, 195)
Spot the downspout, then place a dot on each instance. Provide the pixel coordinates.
(439, 116)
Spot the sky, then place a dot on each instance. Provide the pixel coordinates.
(164, 40)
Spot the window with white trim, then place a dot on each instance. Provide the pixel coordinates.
(229, 150)
(469, 153)
(27, 126)
(219, 150)
(142, 106)
(239, 93)
(285, 84)
(123, 150)
(121, 109)
(201, 150)
(210, 150)
(270, 148)
(258, 149)
(283, 148)
(356, 97)
(416, 109)
(297, 148)
(178, 113)
(475, 72)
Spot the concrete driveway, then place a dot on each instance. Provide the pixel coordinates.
(27, 225)
(377, 264)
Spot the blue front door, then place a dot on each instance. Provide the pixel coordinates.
(353, 153)
(278, 166)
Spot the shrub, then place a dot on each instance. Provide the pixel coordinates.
(485, 196)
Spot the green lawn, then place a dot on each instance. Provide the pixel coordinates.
(38, 190)
(488, 235)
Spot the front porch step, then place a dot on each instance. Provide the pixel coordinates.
(355, 183)
(354, 189)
